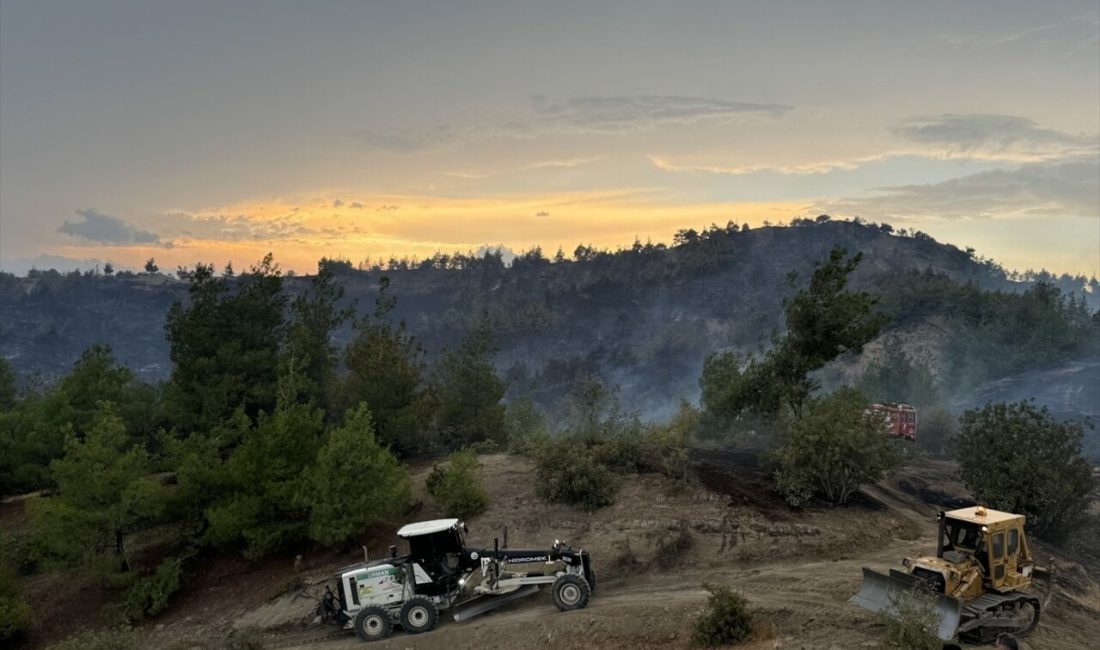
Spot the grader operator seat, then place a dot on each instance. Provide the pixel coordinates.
(438, 547)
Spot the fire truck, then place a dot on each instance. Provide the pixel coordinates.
(901, 419)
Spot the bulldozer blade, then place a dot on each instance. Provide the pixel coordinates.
(878, 593)
(487, 603)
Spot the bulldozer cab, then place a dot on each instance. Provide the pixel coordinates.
(995, 539)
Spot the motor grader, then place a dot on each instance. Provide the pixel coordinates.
(441, 573)
(982, 575)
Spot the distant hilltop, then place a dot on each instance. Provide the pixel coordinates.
(642, 318)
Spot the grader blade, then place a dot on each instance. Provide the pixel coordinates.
(488, 603)
(879, 593)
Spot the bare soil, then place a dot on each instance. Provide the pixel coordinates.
(655, 548)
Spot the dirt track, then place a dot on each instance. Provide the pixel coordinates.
(797, 568)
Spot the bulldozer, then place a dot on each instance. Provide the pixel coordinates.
(981, 576)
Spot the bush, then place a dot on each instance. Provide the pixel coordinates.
(624, 451)
(668, 445)
(122, 638)
(726, 620)
(567, 472)
(149, 595)
(1018, 458)
(354, 483)
(456, 487)
(912, 622)
(246, 639)
(525, 426)
(833, 449)
(672, 546)
(15, 613)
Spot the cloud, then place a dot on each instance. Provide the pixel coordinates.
(216, 226)
(1070, 188)
(105, 229)
(992, 134)
(569, 163)
(823, 167)
(1078, 33)
(602, 114)
(539, 166)
(619, 113)
(408, 140)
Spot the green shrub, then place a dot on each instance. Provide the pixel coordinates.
(912, 622)
(1019, 458)
(668, 445)
(526, 428)
(567, 472)
(456, 487)
(833, 449)
(726, 620)
(354, 483)
(624, 451)
(122, 638)
(149, 595)
(15, 613)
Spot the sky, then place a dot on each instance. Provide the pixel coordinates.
(219, 131)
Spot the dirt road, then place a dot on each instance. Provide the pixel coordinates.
(797, 569)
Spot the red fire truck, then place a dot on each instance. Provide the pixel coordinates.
(901, 419)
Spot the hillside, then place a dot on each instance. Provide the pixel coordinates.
(654, 549)
(642, 319)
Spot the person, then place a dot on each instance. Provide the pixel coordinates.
(1006, 641)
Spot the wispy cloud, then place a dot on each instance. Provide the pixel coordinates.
(408, 139)
(822, 167)
(604, 114)
(1065, 188)
(991, 138)
(1076, 32)
(101, 228)
(248, 225)
(619, 113)
(547, 165)
(992, 134)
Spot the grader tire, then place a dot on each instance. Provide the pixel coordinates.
(419, 614)
(372, 624)
(571, 592)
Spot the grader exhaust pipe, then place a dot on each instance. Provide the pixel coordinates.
(879, 593)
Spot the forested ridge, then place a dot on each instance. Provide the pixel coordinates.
(642, 318)
(283, 399)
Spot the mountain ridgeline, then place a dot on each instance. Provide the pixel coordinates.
(642, 319)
